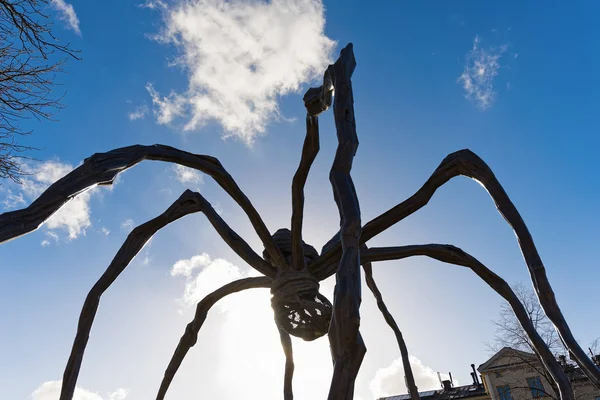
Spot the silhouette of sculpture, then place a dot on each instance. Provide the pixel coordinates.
(291, 268)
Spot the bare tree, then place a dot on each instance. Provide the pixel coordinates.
(509, 333)
(30, 57)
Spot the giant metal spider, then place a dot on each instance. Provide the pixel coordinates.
(293, 269)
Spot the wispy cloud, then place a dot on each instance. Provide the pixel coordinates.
(74, 217)
(185, 175)
(13, 200)
(50, 235)
(389, 381)
(127, 225)
(51, 391)
(258, 50)
(481, 68)
(139, 113)
(66, 13)
(154, 4)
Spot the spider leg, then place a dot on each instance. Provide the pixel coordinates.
(468, 164)
(189, 202)
(453, 255)
(309, 153)
(316, 101)
(102, 168)
(286, 344)
(189, 338)
(347, 346)
(410, 379)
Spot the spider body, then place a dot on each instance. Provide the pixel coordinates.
(292, 269)
(299, 308)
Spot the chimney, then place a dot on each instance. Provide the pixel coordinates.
(447, 385)
(562, 360)
(474, 375)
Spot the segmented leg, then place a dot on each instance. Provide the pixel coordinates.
(410, 378)
(189, 338)
(309, 153)
(316, 101)
(189, 202)
(102, 168)
(468, 164)
(347, 346)
(453, 255)
(286, 344)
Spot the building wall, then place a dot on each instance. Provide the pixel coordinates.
(516, 379)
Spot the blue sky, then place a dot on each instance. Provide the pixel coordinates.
(512, 81)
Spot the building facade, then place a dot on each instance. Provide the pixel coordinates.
(516, 375)
(511, 375)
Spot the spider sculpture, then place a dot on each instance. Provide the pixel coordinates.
(293, 269)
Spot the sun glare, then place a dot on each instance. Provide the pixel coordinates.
(251, 346)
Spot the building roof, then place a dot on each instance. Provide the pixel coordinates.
(428, 395)
(509, 357)
(459, 392)
(506, 357)
(463, 392)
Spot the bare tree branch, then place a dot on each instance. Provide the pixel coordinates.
(30, 58)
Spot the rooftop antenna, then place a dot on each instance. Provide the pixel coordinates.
(451, 380)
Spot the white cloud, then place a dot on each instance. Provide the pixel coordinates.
(211, 275)
(153, 4)
(127, 225)
(119, 394)
(104, 230)
(74, 217)
(187, 175)
(51, 391)
(218, 208)
(258, 50)
(67, 14)
(477, 79)
(139, 113)
(13, 200)
(52, 235)
(389, 381)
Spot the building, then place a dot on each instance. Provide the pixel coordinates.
(516, 375)
(447, 391)
(511, 375)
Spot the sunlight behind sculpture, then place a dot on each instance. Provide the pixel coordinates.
(292, 269)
